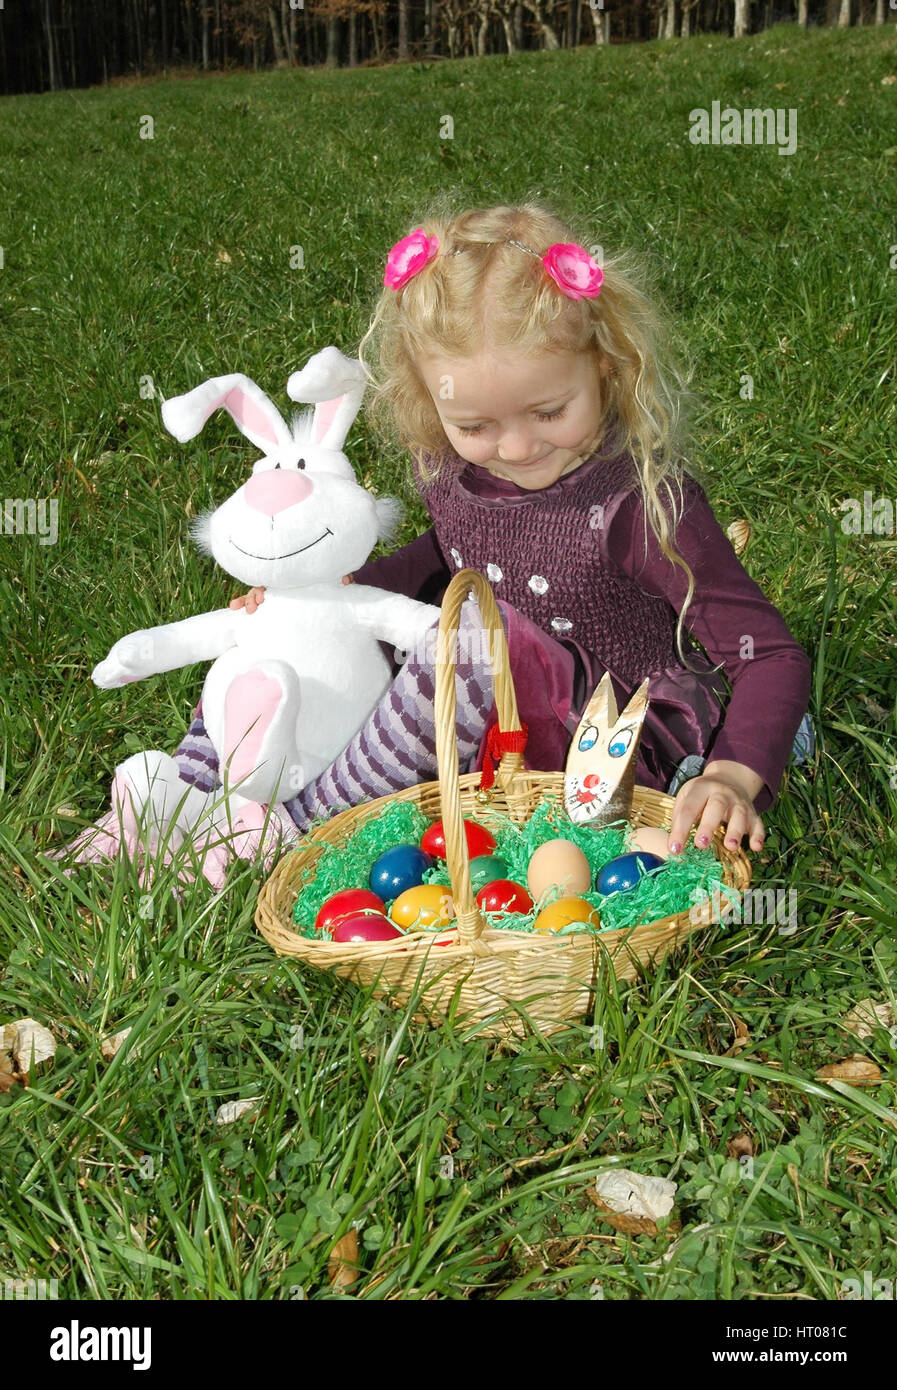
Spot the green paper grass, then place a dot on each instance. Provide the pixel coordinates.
(682, 882)
(349, 864)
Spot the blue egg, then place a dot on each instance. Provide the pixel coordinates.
(624, 873)
(398, 869)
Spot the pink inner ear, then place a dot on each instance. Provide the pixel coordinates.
(250, 416)
(324, 413)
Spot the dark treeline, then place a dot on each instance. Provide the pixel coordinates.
(48, 44)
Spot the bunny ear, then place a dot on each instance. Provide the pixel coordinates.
(252, 412)
(336, 385)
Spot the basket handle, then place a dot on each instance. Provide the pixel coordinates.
(471, 923)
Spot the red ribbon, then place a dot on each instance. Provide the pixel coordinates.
(497, 743)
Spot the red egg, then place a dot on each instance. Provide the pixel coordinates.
(348, 903)
(479, 841)
(365, 926)
(504, 895)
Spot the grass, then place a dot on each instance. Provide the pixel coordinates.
(133, 265)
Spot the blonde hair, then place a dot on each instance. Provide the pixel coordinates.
(494, 296)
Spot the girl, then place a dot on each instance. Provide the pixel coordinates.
(535, 393)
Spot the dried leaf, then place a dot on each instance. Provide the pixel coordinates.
(739, 534)
(742, 1039)
(856, 1069)
(233, 1110)
(866, 1016)
(342, 1266)
(740, 1146)
(109, 1046)
(24, 1044)
(635, 1194)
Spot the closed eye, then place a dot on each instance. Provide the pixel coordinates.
(539, 414)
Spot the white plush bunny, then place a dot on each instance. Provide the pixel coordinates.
(292, 683)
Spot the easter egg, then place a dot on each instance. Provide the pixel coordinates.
(624, 873)
(347, 903)
(398, 869)
(485, 869)
(427, 905)
(504, 895)
(565, 911)
(365, 926)
(479, 841)
(650, 838)
(558, 864)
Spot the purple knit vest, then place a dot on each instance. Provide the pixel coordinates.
(541, 553)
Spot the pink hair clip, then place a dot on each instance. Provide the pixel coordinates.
(408, 256)
(576, 274)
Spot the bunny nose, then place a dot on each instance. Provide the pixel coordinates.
(276, 489)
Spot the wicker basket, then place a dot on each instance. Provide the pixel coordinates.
(496, 978)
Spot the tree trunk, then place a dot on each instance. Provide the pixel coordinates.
(742, 18)
(332, 60)
(879, 11)
(403, 28)
(844, 15)
(802, 7)
(685, 26)
(600, 25)
(671, 19)
(279, 54)
(518, 25)
(507, 24)
(288, 32)
(205, 38)
(353, 39)
(429, 27)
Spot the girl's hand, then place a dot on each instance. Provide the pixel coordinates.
(725, 791)
(256, 596)
(249, 601)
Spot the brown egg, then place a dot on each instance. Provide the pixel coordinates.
(558, 864)
(649, 838)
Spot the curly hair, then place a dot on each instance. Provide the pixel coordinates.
(481, 294)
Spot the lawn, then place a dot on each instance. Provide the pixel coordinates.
(135, 268)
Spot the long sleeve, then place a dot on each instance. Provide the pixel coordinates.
(768, 671)
(417, 570)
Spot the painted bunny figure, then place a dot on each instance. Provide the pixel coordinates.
(291, 684)
(600, 773)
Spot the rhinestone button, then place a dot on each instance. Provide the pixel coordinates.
(538, 584)
(494, 573)
(561, 624)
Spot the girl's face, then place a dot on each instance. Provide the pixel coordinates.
(528, 419)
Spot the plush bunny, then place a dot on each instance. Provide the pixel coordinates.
(292, 683)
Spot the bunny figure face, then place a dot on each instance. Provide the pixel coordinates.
(301, 519)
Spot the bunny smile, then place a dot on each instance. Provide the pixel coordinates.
(252, 556)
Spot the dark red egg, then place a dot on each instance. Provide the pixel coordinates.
(479, 841)
(365, 926)
(504, 895)
(348, 903)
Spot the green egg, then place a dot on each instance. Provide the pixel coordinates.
(485, 869)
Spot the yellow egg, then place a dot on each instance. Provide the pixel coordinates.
(558, 864)
(652, 840)
(427, 905)
(566, 910)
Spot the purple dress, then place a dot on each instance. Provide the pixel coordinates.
(580, 598)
